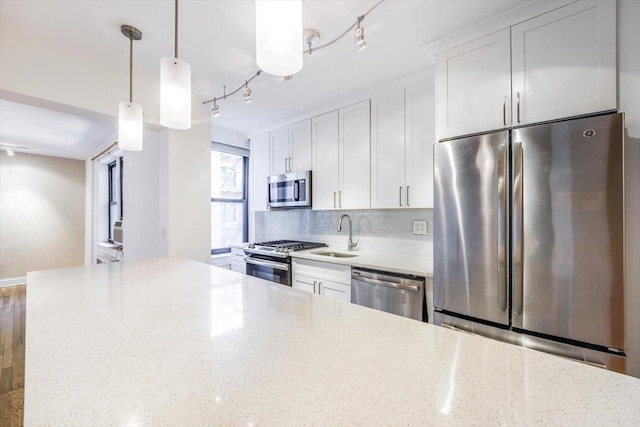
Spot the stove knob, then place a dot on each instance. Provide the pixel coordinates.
(286, 251)
(252, 246)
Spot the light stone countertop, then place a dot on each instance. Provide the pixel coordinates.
(173, 342)
(377, 260)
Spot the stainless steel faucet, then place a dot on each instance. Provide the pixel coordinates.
(351, 244)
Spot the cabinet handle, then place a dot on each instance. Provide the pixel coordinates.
(340, 198)
(314, 286)
(504, 111)
(400, 196)
(290, 163)
(518, 106)
(319, 288)
(334, 200)
(286, 167)
(407, 196)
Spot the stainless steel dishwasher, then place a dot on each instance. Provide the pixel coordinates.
(394, 293)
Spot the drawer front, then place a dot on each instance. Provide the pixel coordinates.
(323, 270)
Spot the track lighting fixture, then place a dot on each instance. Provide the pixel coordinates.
(215, 110)
(278, 30)
(247, 94)
(175, 88)
(358, 35)
(130, 115)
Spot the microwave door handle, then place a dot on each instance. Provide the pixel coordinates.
(296, 190)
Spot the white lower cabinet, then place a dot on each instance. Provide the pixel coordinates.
(322, 278)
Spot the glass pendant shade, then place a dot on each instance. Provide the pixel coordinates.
(279, 36)
(175, 93)
(130, 126)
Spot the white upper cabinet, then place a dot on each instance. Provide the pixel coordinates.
(387, 150)
(564, 63)
(279, 150)
(325, 177)
(474, 86)
(402, 138)
(554, 66)
(259, 171)
(291, 148)
(420, 126)
(354, 127)
(340, 141)
(300, 146)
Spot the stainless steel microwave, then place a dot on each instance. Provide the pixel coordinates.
(290, 190)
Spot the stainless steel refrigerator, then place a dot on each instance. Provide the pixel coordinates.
(528, 237)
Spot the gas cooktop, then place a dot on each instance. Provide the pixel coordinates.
(280, 248)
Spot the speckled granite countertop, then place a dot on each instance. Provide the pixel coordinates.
(172, 342)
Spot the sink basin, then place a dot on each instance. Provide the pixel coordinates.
(334, 254)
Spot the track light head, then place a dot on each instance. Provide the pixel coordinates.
(358, 35)
(247, 95)
(215, 110)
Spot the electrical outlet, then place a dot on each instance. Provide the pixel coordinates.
(419, 227)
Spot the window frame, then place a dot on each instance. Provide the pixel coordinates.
(223, 148)
(114, 197)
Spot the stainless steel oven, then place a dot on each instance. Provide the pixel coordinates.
(290, 190)
(269, 269)
(271, 260)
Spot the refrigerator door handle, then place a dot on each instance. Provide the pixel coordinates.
(502, 227)
(518, 228)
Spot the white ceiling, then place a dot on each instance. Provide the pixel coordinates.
(54, 130)
(218, 39)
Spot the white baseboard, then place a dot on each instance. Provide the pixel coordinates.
(13, 281)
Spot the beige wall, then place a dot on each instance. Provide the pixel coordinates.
(42, 213)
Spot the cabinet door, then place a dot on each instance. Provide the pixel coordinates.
(474, 86)
(324, 140)
(259, 168)
(335, 290)
(280, 151)
(420, 115)
(355, 154)
(387, 151)
(300, 144)
(564, 62)
(305, 283)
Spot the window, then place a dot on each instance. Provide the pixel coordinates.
(229, 178)
(115, 169)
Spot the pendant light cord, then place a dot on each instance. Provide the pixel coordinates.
(130, 68)
(176, 33)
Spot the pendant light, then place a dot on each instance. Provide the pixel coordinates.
(279, 36)
(130, 115)
(175, 88)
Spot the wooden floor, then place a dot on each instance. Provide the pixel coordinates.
(12, 324)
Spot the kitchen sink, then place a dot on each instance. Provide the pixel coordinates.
(335, 254)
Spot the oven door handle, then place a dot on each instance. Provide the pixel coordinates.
(264, 263)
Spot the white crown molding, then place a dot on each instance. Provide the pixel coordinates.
(499, 22)
(426, 74)
(13, 281)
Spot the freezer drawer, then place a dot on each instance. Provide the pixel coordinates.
(600, 359)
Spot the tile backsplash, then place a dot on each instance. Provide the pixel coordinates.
(378, 230)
